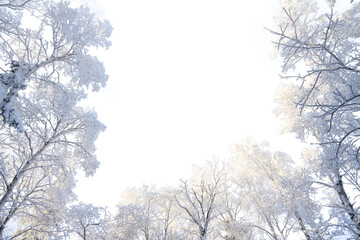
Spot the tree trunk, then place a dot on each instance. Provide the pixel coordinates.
(339, 186)
(7, 219)
(302, 226)
(274, 235)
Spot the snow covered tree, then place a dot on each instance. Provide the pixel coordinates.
(233, 223)
(167, 215)
(88, 222)
(147, 213)
(127, 223)
(55, 49)
(143, 201)
(50, 137)
(197, 198)
(278, 193)
(319, 99)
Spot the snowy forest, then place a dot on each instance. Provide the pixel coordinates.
(47, 69)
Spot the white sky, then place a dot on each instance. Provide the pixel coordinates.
(187, 79)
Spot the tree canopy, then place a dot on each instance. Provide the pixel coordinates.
(259, 193)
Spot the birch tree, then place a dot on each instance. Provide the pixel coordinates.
(280, 194)
(88, 222)
(47, 70)
(197, 199)
(233, 222)
(54, 50)
(167, 216)
(127, 223)
(148, 213)
(319, 99)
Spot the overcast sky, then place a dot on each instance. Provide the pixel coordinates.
(187, 79)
